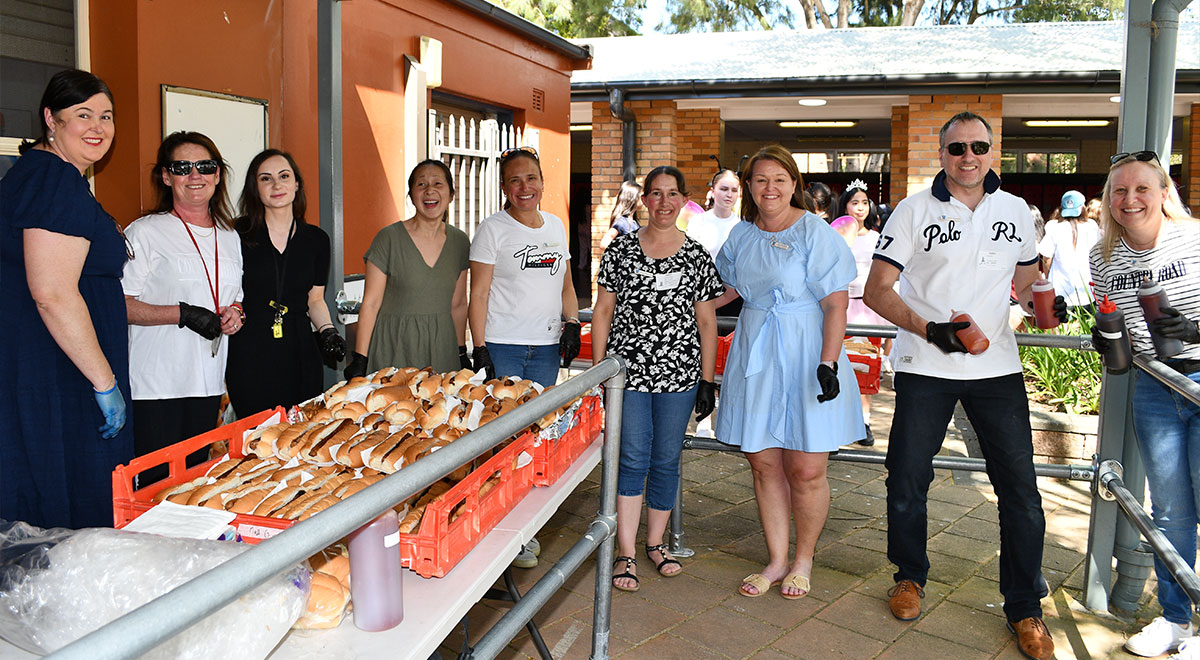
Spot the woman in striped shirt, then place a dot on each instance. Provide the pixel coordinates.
(1147, 234)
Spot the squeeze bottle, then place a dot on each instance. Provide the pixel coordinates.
(1043, 304)
(1110, 323)
(375, 574)
(971, 336)
(1152, 298)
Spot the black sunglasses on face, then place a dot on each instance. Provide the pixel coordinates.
(979, 148)
(516, 150)
(1144, 156)
(184, 167)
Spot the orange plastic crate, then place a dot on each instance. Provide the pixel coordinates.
(868, 381)
(552, 457)
(439, 544)
(129, 503)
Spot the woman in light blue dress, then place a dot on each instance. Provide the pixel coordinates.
(780, 395)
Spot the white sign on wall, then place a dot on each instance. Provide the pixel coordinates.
(236, 124)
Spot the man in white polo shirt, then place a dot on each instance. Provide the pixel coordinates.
(957, 247)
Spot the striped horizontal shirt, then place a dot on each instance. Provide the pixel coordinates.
(1174, 262)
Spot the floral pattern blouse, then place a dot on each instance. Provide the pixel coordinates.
(654, 322)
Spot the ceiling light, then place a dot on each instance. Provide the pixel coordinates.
(1065, 123)
(1115, 99)
(817, 124)
(812, 103)
(575, 128)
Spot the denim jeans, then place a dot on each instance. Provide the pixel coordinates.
(652, 428)
(536, 363)
(999, 412)
(1168, 431)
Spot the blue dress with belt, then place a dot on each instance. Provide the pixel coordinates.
(769, 392)
(56, 470)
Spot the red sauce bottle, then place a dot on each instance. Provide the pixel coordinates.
(971, 336)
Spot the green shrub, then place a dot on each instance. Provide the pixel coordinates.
(1063, 377)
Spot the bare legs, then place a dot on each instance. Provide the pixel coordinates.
(794, 482)
(629, 516)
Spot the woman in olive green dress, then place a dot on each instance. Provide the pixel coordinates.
(414, 308)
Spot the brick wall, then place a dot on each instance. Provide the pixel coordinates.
(606, 175)
(1191, 168)
(898, 188)
(699, 135)
(926, 114)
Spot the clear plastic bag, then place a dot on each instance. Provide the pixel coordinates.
(57, 585)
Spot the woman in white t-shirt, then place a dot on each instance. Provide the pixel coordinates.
(1069, 238)
(523, 312)
(712, 227)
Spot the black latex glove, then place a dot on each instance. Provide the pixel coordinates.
(357, 366)
(1176, 326)
(945, 336)
(1060, 309)
(568, 343)
(333, 347)
(706, 399)
(1101, 344)
(483, 360)
(464, 361)
(827, 377)
(199, 320)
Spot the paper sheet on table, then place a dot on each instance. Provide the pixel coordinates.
(185, 522)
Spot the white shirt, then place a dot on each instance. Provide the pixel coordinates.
(711, 231)
(528, 266)
(953, 259)
(166, 361)
(1069, 271)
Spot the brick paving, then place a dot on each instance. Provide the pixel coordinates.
(700, 616)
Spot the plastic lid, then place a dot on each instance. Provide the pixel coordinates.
(1107, 306)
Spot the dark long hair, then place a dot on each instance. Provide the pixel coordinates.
(872, 220)
(627, 201)
(822, 198)
(65, 89)
(253, 212)
(784, 158)
(218, 207)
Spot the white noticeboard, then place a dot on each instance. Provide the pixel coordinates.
(236, 124)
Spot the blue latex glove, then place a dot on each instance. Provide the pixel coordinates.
(112, 404)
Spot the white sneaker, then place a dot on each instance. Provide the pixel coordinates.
(1160, 636)
(534, 547)
(1188, 650)
(525, 559)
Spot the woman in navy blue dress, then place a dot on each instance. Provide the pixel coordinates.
(64, 369)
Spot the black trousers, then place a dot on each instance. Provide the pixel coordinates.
(161, 423)
(999, 412)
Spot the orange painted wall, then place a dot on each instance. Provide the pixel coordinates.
(268, 50)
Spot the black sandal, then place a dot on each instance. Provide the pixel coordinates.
(662, 548)
(630, 562)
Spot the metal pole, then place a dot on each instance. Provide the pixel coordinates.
(1102, 523)
(1169, 377)
(329, 153)
(1161, 85)
(149, 625)
(602, 606)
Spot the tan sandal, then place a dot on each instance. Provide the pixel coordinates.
(760, 583)
(795, 581)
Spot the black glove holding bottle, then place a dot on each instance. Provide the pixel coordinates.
(464, 361)
(1176, 326)
(333, 347)
(568, 343)
(945, 335)
(357, 366)
(483, 360)
(827, 377)
(1099, 343)
(706, 398)
(199, 320)
(1060, 309)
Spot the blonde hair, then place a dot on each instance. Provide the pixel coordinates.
(1172, 209)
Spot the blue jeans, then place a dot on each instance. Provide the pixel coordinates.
(536, 363)
(1168, 431)
(652, 428)
(999, 412)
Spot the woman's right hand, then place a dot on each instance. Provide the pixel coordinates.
(112, 405)
(483, 360)
(357, 366)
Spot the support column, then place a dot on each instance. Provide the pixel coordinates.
(898, 188)
(926, 116)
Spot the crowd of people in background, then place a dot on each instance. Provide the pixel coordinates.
(129, 337)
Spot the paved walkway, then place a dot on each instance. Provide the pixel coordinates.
(699, 616)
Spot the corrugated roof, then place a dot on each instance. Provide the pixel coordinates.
(899, 52)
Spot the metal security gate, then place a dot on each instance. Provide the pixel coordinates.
(471, 148)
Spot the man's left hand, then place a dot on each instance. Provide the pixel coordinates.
(1176, 326)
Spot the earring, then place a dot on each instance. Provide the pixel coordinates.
(51, 137)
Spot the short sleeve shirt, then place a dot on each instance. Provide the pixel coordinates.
(654, 322)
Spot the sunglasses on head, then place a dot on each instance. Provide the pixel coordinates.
(184, 167)
(1144, 156)
(979, 148)
(517, 150)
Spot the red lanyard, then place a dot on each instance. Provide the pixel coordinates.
(213, 286)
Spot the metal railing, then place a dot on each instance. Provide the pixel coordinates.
(141, 630)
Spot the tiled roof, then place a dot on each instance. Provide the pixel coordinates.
(888, 52)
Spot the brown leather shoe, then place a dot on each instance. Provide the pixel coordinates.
(904, 600)
(1033, 639)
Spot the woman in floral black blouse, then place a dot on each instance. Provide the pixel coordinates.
(655, 309)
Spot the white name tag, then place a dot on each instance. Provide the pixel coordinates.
(780, 245)
(990, 261)
(667, 281)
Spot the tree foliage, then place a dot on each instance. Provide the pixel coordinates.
(581, 18)
(726, 15)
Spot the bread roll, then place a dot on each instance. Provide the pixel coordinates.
(380, 398)
(417, 511)
(383, 375)
(326, 605)
(349, 410)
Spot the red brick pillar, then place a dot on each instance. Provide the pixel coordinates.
(926, 116)
(1191, 162)
(898, 189)
(699, 134)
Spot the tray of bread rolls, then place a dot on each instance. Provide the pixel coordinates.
(865, 354)
(284, 466)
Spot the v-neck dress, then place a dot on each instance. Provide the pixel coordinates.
(414, 327)
(264, 372)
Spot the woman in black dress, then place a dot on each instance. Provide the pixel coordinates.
(276, 358)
